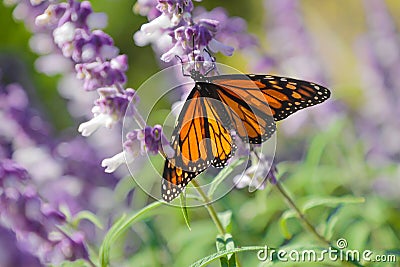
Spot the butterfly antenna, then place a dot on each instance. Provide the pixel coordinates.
(194, 59)
(213, 67)
(183, 70)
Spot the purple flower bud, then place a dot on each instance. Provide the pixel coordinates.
(203, 35)
(52, 213)
(103, 74)
(10, 169)
(147, 8)
(73, 247)
(152, 138)
(175, 7)
(52, 14)
(116, 104)
(77, 13)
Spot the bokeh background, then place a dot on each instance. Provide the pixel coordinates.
(347, 148)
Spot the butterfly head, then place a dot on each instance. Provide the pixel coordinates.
(197, 76)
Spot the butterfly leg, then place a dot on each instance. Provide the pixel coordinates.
(183, 70)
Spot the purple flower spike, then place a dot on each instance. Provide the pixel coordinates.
(180, 30)
(111, 107)
(96, 58)
(34, 221)
(137, 142)
(103, 74)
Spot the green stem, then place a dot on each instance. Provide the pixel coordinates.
(213, 214)
(301, 216)
(210, 208)
(307, 223)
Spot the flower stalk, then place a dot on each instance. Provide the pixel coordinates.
(210, 208)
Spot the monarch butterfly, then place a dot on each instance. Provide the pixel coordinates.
(249, 104)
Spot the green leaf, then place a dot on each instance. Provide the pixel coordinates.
(64, 209)
(208, 259)
(108, 240)
(220, 244)
(283, 223)
(315, 202)
(77, 263)
(225, 218)
(232, 260)
(331, 201)
(229, 244)
(222, 175)
(331, 222)
(225, 243)
(85, 214)
(119, 227)
(184, 210)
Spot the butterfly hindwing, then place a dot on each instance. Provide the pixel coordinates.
(175, 180)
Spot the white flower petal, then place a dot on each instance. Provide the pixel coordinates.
(64, 33)
(41, 43)
(169, 55)
(52, 64)
(161, 22)
(111, 164)
(109, 51)
(42, 20)
(97, 20)
(175, 19)
(256, 183)
(241, 181)
(21, 11)
(88, 52)
(216, 46)
(89, 127)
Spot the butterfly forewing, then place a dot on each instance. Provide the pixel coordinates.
(269, 98)
(200, 138)
(251, 115)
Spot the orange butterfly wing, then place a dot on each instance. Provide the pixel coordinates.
(200, 139)
(257, 101)
(252, 104)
